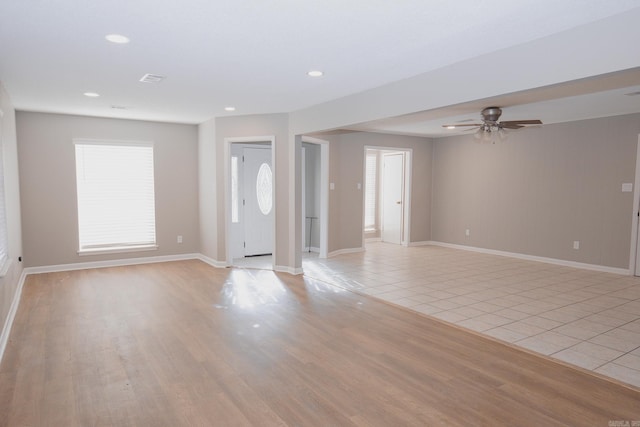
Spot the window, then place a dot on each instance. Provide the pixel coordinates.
(264, 189)
(116, 202)
(371, 189)
(235, 203)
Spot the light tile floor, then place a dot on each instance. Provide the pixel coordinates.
(589, 319)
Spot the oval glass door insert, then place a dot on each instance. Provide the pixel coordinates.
(264, 183)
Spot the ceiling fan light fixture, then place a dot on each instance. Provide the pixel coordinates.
(490, 133)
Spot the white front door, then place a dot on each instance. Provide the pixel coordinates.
(392, 197)
(258, 201)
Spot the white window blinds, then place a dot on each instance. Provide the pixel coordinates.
(116, 202)
(371, 189)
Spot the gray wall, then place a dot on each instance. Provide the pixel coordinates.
(48, 185)
(9, 283)
(346, 170)
(533, 194)
(540, 190)
(207, 180)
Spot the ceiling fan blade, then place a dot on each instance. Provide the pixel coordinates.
(505, 125)
(462, 125)
(521, 122)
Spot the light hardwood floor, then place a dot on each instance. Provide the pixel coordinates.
(184, 344)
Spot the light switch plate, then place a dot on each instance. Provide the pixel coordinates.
(332, 186)
(627, 187)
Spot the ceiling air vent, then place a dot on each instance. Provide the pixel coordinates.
(152, 78)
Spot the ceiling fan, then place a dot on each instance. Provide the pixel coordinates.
(491, 127)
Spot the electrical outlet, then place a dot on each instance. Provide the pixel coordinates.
(179, 239)
(576, 244)
(467, 232)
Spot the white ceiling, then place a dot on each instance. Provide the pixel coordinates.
(254, 54)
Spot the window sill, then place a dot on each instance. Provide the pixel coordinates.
(117, 250)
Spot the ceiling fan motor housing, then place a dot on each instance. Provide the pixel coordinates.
(491, 114)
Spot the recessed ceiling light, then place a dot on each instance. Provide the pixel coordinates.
(117, 38)
(229, 108)
(451, 127)
(315, 73)
(92, 94)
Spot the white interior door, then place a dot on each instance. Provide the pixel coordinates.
(258, 201)
(392, 197)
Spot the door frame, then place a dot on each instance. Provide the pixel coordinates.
(271, 140)
(408, 183)
(324, 193)
(635, 240)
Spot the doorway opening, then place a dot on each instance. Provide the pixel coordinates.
(387, 195)
(250, 200)
(315, 196)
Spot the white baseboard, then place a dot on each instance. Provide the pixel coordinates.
(212, 262)
(285, 269)
(554, 261)
(422, 243)
(109, 263)
(344, 251)
(146, 260)
(313, 249)
(8, 323)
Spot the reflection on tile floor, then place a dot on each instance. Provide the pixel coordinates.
(589, 319)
